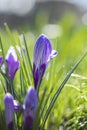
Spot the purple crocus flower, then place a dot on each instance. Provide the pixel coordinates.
(12, 62)
(9, 111)
(43, 53)
(30, 107)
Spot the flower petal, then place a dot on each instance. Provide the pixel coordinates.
(16, 105)
(42, 50)
(31, 103)
(9, 110)
(1, 59)
(42, 55)
(53, 54)
(12, 62)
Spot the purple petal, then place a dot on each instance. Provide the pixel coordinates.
(38, 74)
(31, 104)
(28, 123)
(11, 126)
(12, 62)
(1, 59)
(16, 105)
(9, 110)
(42, 50)
(53, 54)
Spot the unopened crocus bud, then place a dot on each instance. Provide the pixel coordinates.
(30, 107)
(9, 111)
(43, 53)
(12, 62)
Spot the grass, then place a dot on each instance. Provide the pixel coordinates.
(69, 110)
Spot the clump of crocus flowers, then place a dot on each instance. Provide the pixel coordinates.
(43, 53)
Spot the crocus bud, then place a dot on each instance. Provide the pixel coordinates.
(12, 62)
(43, 53)
(9, 111)
(30, 107)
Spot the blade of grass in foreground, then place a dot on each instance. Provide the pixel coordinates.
(3, 54)
(27, 53)
(37, 120)
(10, 34)
(45, 103)
(57, 93)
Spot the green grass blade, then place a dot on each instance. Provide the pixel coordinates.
(2, 120)
(45, 103)
(37, 120)
(23, 89)
(27, 54)
(3, 54)
(10, 34)
(57, 93)
(2, 83)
